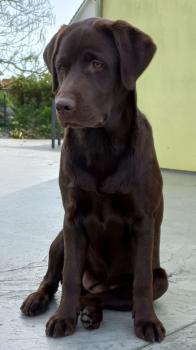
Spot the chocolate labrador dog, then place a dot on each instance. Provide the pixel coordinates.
(107, 254)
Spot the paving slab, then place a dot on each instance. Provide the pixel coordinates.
(31, 215)
(25, 163)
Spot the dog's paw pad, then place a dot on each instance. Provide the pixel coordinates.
(91, 319)
(35, 304)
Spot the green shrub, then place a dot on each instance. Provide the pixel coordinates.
(31, 98)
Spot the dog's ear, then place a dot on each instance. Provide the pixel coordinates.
(135, 48)
(50, 53)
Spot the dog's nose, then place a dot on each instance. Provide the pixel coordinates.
(65, 104)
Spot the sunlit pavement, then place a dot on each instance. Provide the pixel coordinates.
(31, 215)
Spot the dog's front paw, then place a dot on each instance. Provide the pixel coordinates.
(35, 304)
(150, 330)
(58, 326)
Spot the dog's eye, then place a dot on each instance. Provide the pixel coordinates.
(97, 65)
(60, 68)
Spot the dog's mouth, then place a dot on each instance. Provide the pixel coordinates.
(76, 125)
(73, 125)
(79, 126)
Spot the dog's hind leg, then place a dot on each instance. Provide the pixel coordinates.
(160, 283)
(103, 297)
(91, 311)
(37, 302)
(120, 299)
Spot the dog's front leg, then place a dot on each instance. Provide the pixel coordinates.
(147, 325)
(64, 321)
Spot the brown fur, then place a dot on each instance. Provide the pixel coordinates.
(107, 254)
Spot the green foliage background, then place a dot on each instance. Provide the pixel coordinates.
(31, 101)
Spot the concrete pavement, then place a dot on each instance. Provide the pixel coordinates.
(31, 215)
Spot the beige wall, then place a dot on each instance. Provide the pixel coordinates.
(167, 90)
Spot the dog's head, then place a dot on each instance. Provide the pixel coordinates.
(95, 64)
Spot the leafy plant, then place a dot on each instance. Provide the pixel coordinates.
(31, 98)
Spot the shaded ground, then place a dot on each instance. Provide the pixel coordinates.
(31, 215)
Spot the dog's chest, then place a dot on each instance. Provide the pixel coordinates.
(95, 153)
(107, 219)
(108, 226)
